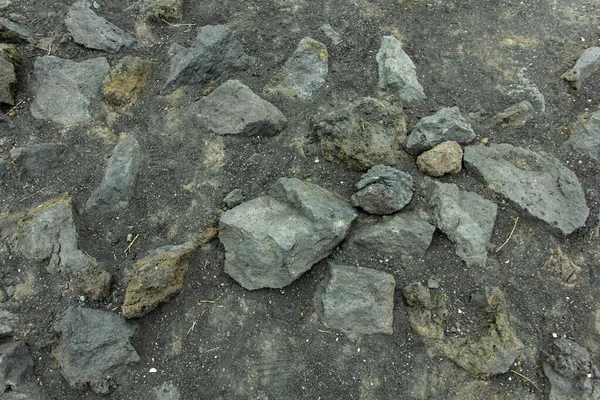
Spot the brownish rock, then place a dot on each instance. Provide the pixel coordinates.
(563, 268)
(126, 81)
(445, 158)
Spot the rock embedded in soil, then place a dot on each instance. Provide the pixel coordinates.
(560, 266)
(36, 160)
(155, 279)
(397, 235)
(357, 300)
(12, 32)
(361, 134)
(116, 188)
(538, 184)
(383, 190)
(157, 9)
(447, 124)
(466, 218)
(271, 240)
(94, 348)
(64, 89)
(515, 115)
(8, 323)
(586, 65)
(233, 109)
(125, 82)
(444, 158)
(215, 53)
(571, 371)
(95, 32)
(17, 374)
(10, 61)
(585, 136)
(397, 72)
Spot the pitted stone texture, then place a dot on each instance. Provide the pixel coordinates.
(397, 72)
(445, 158)
(271, 240)
(538, 184)
(357, 300)
(383, 190)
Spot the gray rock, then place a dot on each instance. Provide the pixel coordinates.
(397, 235)
(525, 91)
(446, 124)
(331, 34)
(10, 61)
(585, 138)
(586, 65)
(156, 278)
(116, 187)
(539, 185)
(383, 190)
(397, 72)
(95, 32)
(36, 160)
(233, 109)
(8, 323)
(47, 235)
(515, 115)
(17, 376)
(234, 198)
(12, 32)
(305, 71)
(357, 300)
(215, 53)
(571, 371)
(361, 134)
(94, 348)
(271, 240)
(64, 89)
(466, 218)
(157, 9)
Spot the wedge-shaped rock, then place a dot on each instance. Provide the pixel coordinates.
(586, 65)
(466, 218)
(397, 72)
(155, 279)
(357, 300)
(271, 240)
(233, 109)
(540, 185)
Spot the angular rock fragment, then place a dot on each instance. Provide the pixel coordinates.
(8, 323)
(64, 89)
(571, 371)
(124, 83)
(271, 240)
(215, 53)
(233, 109)
(427, 312)
(95, 32)
(397, 72)
(234, 198)
(116, 187)
(12, 32)
(585, 137)
(47, 234)
(397, 235)
(157, 9)
(444, 158)
(446, 124)
(361, 134)
(586, 65)
(17, 376)
(94, 348)
(10, 61)
(561, 267)
(155, 279)
(36, 160)
(466, 218)
(383, 190)
(357, 300)
(538, 184)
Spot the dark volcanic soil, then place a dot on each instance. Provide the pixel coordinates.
(216, 340)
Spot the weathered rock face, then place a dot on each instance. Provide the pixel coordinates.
(561, 267)
(539, 185)
(216, 52)
(466, 218)
(94, 346)
(64, 89)
(361, 134)
(116, 187)
(271, 240)
(445, 158)
(8, 323)
(397, 235)
(12, 32)
(155, 279)
(586, 65)
(585, 138)
(357, 300)
(446, 124)
(36, 160)
(571, 371)
(383, 190)
(124, 83)
(10, 61)
(47, 235)
(233, 109)
(515, 115)
(17, 376)
(95, 32)
(397, 72)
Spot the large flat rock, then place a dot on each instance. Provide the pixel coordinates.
(538, 184)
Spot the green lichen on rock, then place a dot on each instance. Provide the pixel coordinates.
(124, 83)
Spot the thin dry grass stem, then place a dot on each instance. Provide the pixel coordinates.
(509, 236)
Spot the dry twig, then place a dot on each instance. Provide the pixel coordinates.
(509, 236)
(527, 379)
(131, 244)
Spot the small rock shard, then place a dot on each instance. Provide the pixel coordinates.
(466, 218)
(446, 124)
(357, 300)
(538, 184)
(383, 190)
(444, 158)
(586, 65)
(397, 72)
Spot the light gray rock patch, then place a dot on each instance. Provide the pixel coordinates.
(383, 190)
(331, 34)
(585, 138)
(397, 72)
(12, 32)
(305, 71)
(586, 65)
